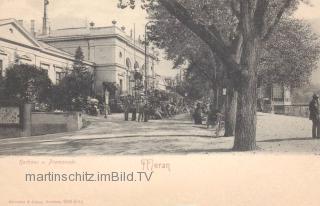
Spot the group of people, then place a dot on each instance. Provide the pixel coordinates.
(143, 110)
(205, 111)
(167, 110)
(95, 107)
(136, 106)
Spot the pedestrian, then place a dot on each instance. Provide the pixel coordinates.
(133, 109)
(157, 113)
(260, 105)
(104, 110)
(314, 116)
(212, 117)
(146, 113)
(197, 114)
(126, 108)
(140, 110)
(168, 110)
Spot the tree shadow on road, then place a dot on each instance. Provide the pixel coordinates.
(194, 151)
(289, 139)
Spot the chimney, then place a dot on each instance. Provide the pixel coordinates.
(20, 21)
(32, 28)
(92, 25)
(45, 18)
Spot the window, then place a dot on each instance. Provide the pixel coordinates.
(45, 67)
(60, 74)
(1, 68)
(121, 86)
(277, 92)
(59, 77)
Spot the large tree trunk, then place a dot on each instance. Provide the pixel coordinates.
(245, 133)
(230, 112)
(232, 94)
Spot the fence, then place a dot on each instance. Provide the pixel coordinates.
(292, 110)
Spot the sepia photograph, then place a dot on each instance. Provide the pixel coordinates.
(146, 79)
(159, 77)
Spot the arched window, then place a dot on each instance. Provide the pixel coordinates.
(142, 70)
(128, 64)
(136, 66)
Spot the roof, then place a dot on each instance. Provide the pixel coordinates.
(53, 49)
(90, 33)
(38, 45)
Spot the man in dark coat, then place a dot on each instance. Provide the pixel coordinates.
(126, 108)
(197, 114)
(314, 116)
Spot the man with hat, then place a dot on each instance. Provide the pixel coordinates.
(314, 116)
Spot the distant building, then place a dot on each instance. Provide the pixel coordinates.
(117, 56)
(276, 96)
(19, 46)
(160, 83)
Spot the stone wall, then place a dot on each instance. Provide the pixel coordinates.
(49, 123)
(40, 123)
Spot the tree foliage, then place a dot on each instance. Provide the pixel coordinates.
(75, 87)
(27, 83)
(290, 55)
(207, 20)
(238, 45)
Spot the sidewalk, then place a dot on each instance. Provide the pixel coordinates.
(112, 136)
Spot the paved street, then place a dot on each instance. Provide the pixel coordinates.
(174, 136)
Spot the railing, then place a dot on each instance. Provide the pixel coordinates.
(300, 110)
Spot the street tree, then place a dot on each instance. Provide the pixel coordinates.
(255, 22)
(288, 57)
(27, 83)
(75, 87)
(183, 46)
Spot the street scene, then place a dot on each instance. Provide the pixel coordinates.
(179, 135)
(159, 77)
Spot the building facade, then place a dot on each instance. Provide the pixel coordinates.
(160, 83)
(18, 46)
(117, 56)
(274, 97)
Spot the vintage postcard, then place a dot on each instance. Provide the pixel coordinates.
(159, 102)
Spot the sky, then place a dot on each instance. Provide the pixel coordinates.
(74, 13)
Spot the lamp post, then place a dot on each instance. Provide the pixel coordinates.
(146, 115)
(145, 59)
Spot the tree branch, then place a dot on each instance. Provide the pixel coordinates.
(210, 36)
(260, 16)
(234, 9)
(276, 20)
